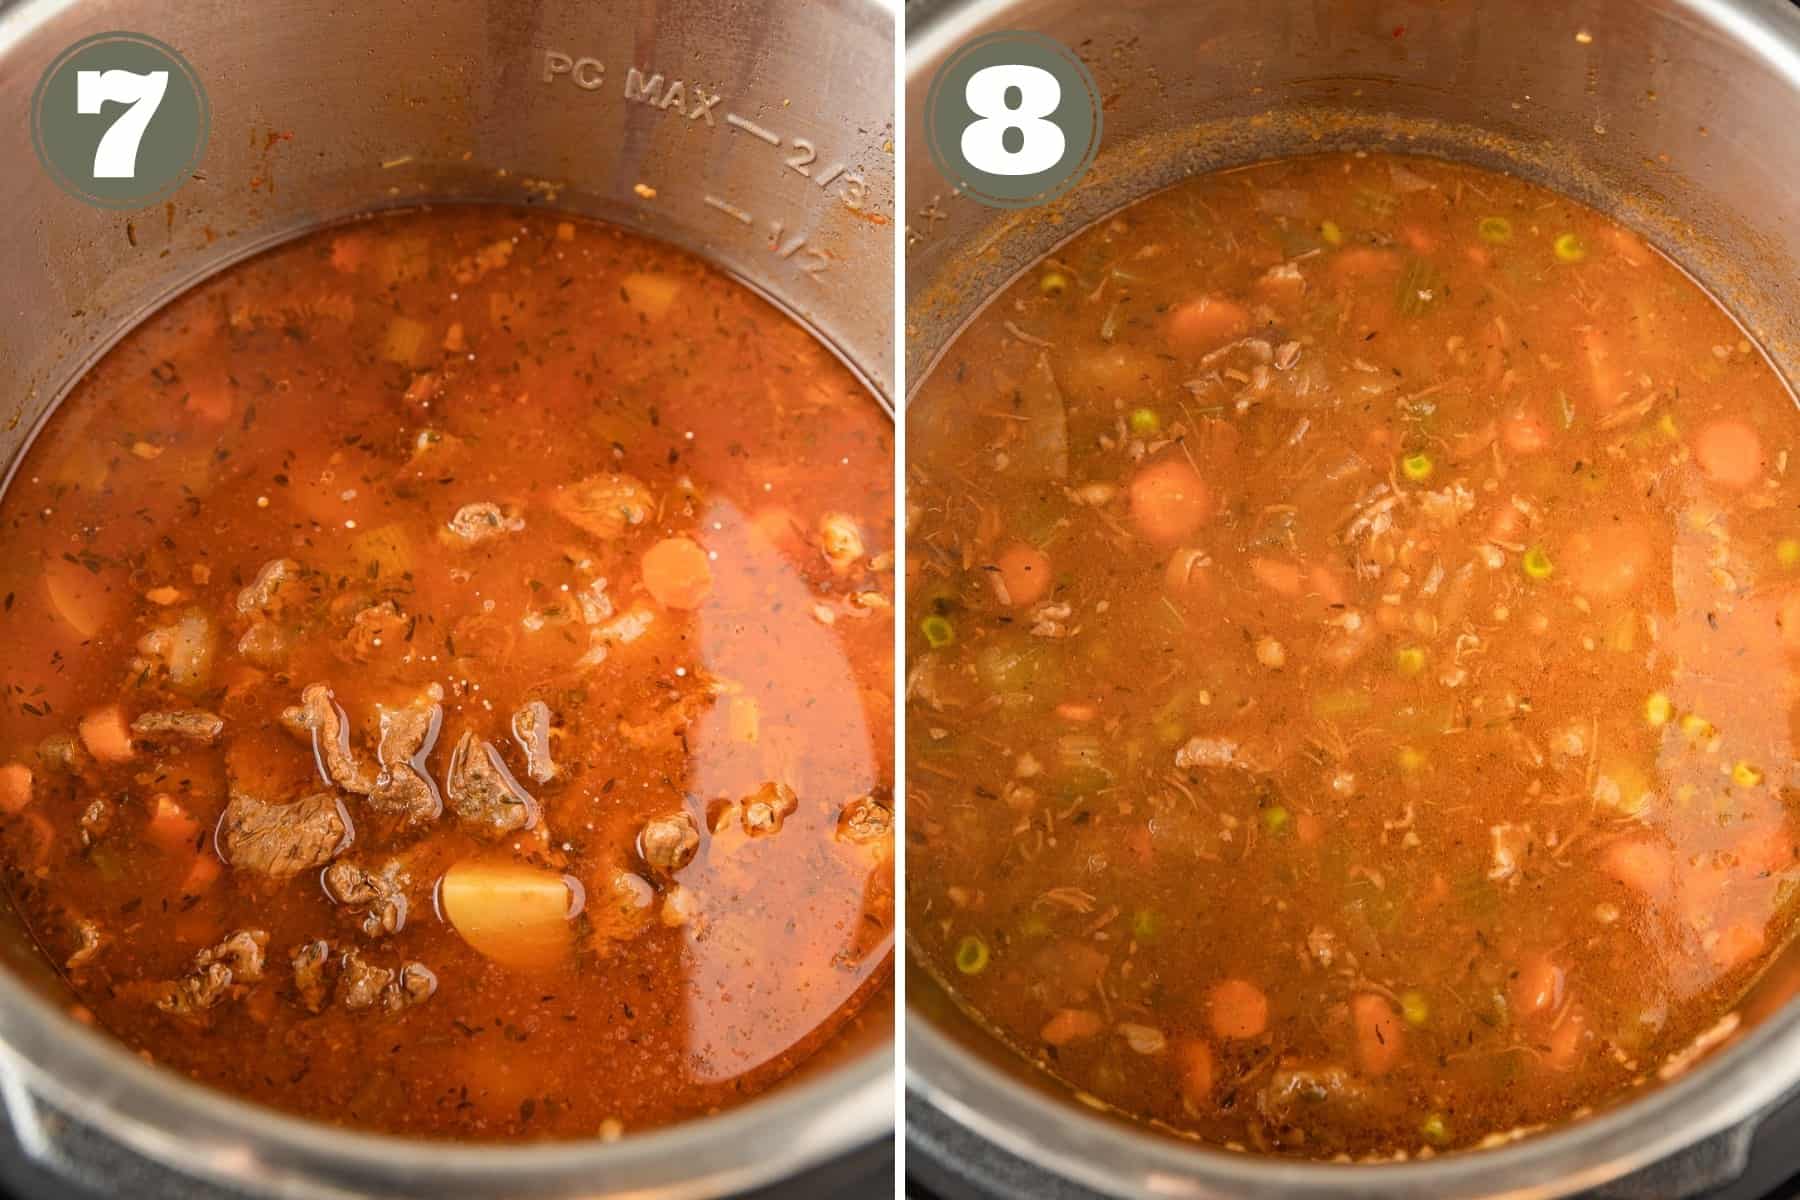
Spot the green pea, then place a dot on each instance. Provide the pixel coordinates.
(1275, 819)
(971, 955)
(1146, 924)
(1537, 564)
(1417, 467)
(1145, 422)
(1435, 1130)
(1053, 283)
(938, 631)
(1494, 230)
(1569, 247)
(1415, 1008)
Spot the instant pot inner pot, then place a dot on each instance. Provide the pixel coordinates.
(622, 111)
(1674, 117)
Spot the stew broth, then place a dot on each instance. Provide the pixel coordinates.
(449, 684)
(1353, 614)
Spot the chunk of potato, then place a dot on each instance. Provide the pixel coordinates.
(86, 600)
(514, 914)
(650, 295)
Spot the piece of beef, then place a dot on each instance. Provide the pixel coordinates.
(280, 840)
(380, 898)
(241, 951)
(607, 506)
(96, 819)
(195, 993)
(1317, 1104)
(361, 984)
(372, 628)
(312, 974)
(476, 523)
(64, 754)
(263, 593)
(181, 652)
(87, 944)
(191, 723)
(531, 729)
(416, 984)
(218, 972)
(768, 807)
(483, 793)
(320, 715)
(866, 818)
(668, 843)
(402, 788)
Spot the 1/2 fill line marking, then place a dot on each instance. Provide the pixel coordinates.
(752, 128)
(728, 208)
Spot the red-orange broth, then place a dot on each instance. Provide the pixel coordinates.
(449, 683)
(1354, 606)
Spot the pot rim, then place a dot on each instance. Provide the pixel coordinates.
(1730, 1088)
(87, 1074)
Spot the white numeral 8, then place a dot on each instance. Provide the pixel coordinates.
(1041, 143)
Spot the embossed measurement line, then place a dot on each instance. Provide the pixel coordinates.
(753, 129)
(728, 208)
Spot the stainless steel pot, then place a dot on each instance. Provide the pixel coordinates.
(1676, 115)
(756, 133)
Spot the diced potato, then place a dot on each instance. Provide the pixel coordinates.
(514, 914)
(171, 827)
(105, 735)
(185, 648)
(390, 547)
(401, 259)
(506, 307)
(85, 600)
(404, 340)
(15, 788)
(650, 295)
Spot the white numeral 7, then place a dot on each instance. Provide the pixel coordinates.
(116, 155)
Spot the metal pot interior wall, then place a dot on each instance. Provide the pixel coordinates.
(1675, 116)
(756, 134)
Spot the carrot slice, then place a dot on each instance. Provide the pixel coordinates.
(1239, 1009)
(677, 573)
(348, 252)
(1609, 562)
(1206, 323)
(1380, 1040)
(15, 788)
(1364, 262)
(170, 825)
(1641, 866)
(1194, 1072)
(1169, 501)
(104, 734)
(1537, 986)
(1524, 432)
(202, 875)
(1729, 453)
(1023, 575)
(1276, 575)
(1070, 1025)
